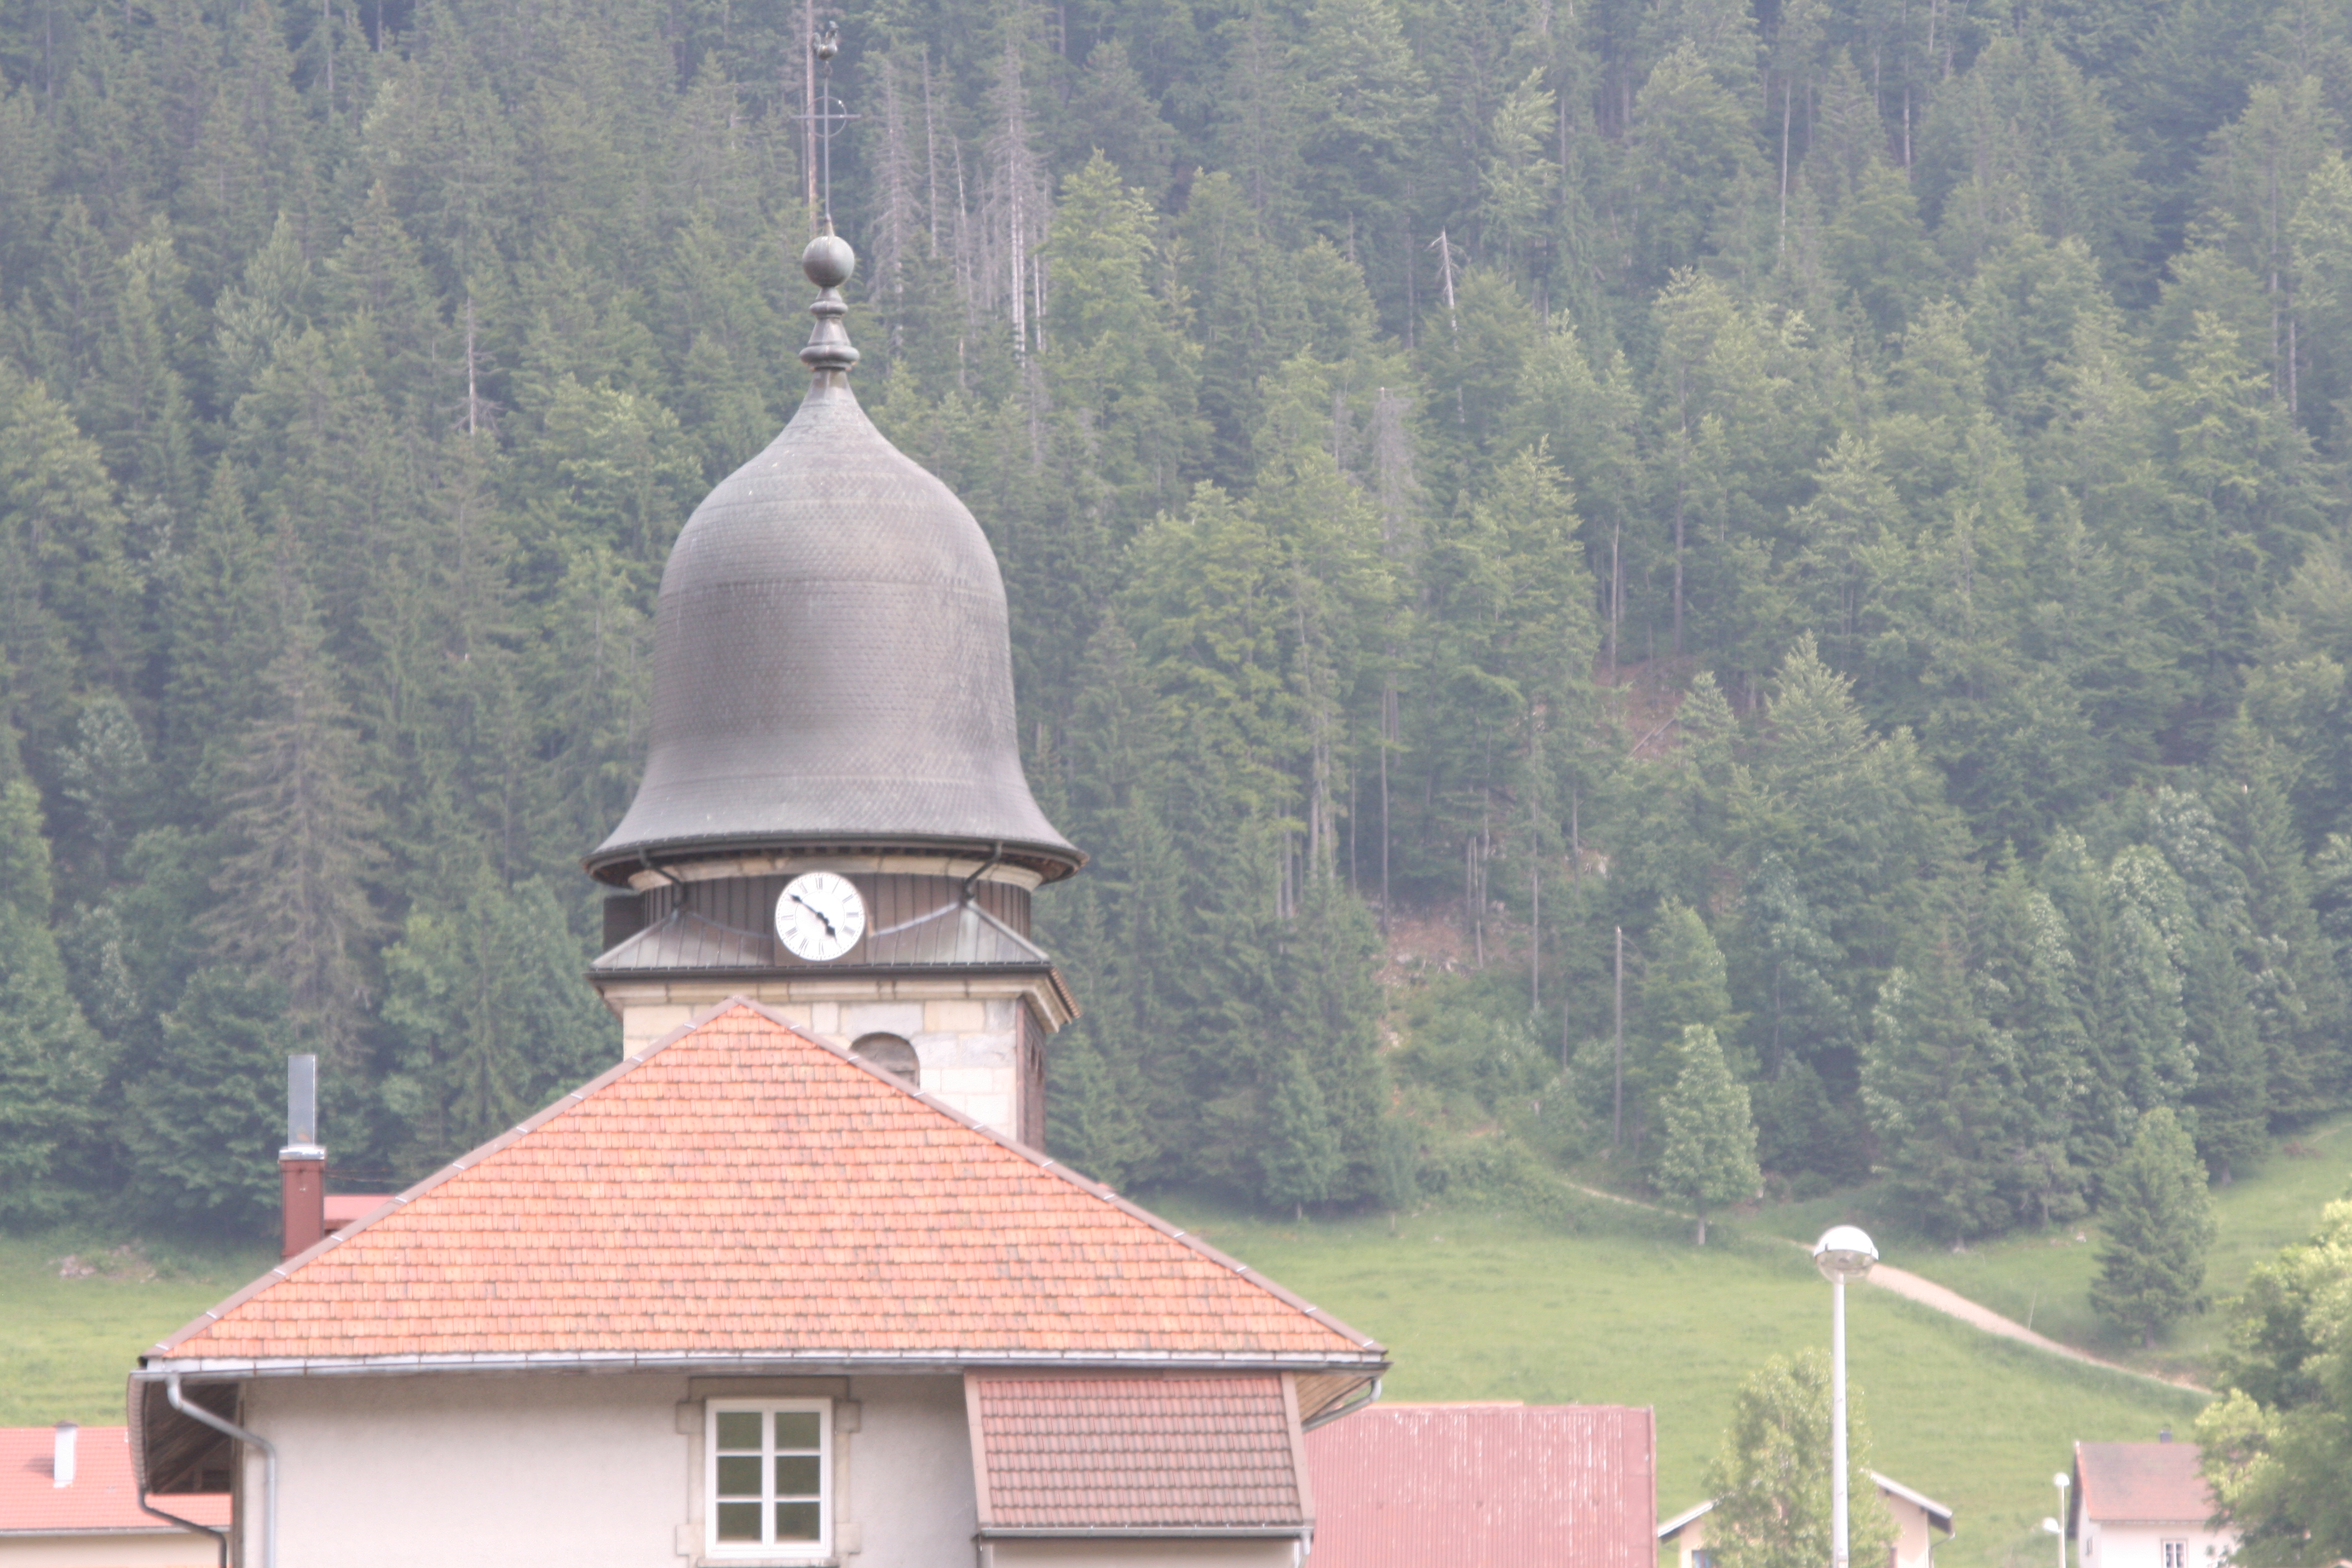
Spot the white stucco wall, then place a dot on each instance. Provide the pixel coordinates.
(108, 1548)
(584, 1471)
(2119, 1544)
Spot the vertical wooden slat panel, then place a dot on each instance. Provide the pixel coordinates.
(1486, 1487)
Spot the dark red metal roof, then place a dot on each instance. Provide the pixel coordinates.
(1164, 1454)
(102, 1495)
(1485, 1486)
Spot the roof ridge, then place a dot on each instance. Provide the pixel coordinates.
(458, 1167)
(1085, 1184)
(628, 1065)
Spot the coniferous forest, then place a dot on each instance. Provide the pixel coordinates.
(1848, 494)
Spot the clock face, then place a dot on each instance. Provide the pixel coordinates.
(819, 917)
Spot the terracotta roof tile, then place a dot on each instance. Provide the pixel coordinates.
(742, 1189)
(2148, 1482)
(1129, 1453)
(103, 1496)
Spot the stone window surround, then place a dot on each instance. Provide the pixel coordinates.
(693, 1424)
(966, 1030)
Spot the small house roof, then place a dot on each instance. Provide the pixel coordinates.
(2141, 1483)
(102, 1498)
(740, 1192)
(1938, 1514)
(1056, 1455)
(1485, 1486)
(1683, 1521)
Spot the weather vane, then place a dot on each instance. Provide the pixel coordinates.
(825, 112)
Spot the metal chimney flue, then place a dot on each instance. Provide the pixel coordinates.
(62, 1462)
(302, 1163)
(302, 1102)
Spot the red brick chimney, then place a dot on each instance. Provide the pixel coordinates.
(302, 1163)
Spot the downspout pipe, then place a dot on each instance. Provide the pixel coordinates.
(269, 1463)
(220, 1537)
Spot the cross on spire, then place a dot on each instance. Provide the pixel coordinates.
(825, 114)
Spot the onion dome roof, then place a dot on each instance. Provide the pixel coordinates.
(833, 662)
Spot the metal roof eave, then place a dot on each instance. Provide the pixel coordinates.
(708, 1363)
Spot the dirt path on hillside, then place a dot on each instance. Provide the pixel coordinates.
(1942, 1299)
(1951, 1303)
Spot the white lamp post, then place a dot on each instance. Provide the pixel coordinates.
(1843, 1253)
(2061, 1480)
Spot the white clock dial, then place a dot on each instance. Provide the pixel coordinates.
(819, 916)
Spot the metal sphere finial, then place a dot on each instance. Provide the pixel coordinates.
(828, 261)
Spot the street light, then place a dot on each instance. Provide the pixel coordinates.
(2061, 1480)
(1843, 1253)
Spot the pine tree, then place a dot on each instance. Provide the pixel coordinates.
(1685, 986)
(50, 1066)
(1303, 1158)
(2157, 1217)
(208, 1119)
(294, 903)
(491, 1018)
(2030, 987)
(1092, 1114)
(1939, 1095)
(1708, 1156)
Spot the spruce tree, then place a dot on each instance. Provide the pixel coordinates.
(492, 1022)
(209, 1117)
(293, 903)
(1091, 1114)
(50, 1070)
(2157, 1219)
(1303, 1158)
(2030, 988)
(1939, 1097)
(1708, 1156)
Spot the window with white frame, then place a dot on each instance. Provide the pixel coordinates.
(2176, 1554)
(769, 1487)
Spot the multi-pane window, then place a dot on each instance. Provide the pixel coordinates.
(2176, 1554)
(770, 1477)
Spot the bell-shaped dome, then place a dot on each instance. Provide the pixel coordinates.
(832, 660)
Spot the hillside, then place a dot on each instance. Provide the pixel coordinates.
(2044, 1277)
(1851, 501)
(1473, 1304)
(1477, 1305)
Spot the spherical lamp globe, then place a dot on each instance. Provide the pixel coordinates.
(1843, 1252)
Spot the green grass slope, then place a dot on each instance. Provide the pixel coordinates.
(1471, 1305)
(68, 1339)
(1479, 1306)
(2045, 1276)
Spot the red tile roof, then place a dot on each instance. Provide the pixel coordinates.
(1485, 1486)
(2147, 1482)
(742, 1190)
(1108, 1454)
(102, 1496)
(342, 1208)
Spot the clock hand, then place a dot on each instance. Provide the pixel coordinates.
(817, 913)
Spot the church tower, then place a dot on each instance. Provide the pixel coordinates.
(834, 819)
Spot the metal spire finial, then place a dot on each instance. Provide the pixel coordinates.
(828, 260)
(825, 113)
